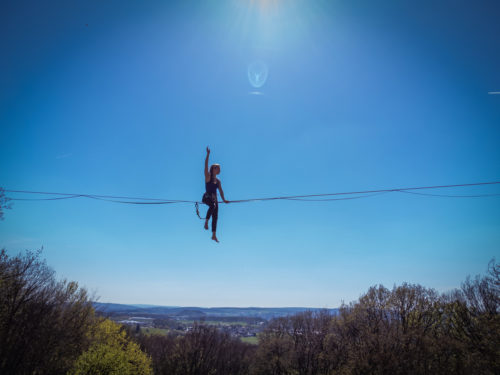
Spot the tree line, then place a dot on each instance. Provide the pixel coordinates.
(50, 327)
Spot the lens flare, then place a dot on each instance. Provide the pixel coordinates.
(257, 73)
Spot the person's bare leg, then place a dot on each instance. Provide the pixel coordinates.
(214, 237)
(206, 224)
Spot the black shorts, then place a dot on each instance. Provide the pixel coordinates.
(209, 199)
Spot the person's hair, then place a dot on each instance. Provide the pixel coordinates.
(211, 171)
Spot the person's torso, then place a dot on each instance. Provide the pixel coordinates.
(211, 186)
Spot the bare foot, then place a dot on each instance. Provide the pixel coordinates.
(214, 237)
(206, 225)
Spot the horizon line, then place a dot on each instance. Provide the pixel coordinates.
(216, 307)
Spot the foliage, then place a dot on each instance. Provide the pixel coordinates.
(407, 330)
(49, 327)
(43, 322)
(203, 350)
(111, 353)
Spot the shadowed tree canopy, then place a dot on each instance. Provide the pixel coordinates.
(407, 330)
(49, 327)
(43, 322)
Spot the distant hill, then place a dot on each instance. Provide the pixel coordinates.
(201, 312)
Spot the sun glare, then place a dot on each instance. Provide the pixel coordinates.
(264, 6)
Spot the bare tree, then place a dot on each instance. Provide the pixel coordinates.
(43, 322)
(203, 350)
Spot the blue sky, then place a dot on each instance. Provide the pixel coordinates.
(122, 97)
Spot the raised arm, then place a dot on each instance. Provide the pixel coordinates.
(207, 174)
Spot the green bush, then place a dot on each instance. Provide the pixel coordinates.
(111, 353)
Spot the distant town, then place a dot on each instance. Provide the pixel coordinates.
(244, 323)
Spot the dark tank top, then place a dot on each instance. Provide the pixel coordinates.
(211, 187)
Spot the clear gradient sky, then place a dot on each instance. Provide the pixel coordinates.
(122, 97)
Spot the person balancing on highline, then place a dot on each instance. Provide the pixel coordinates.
(212, 183)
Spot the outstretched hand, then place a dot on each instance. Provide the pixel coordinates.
(208, 150)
